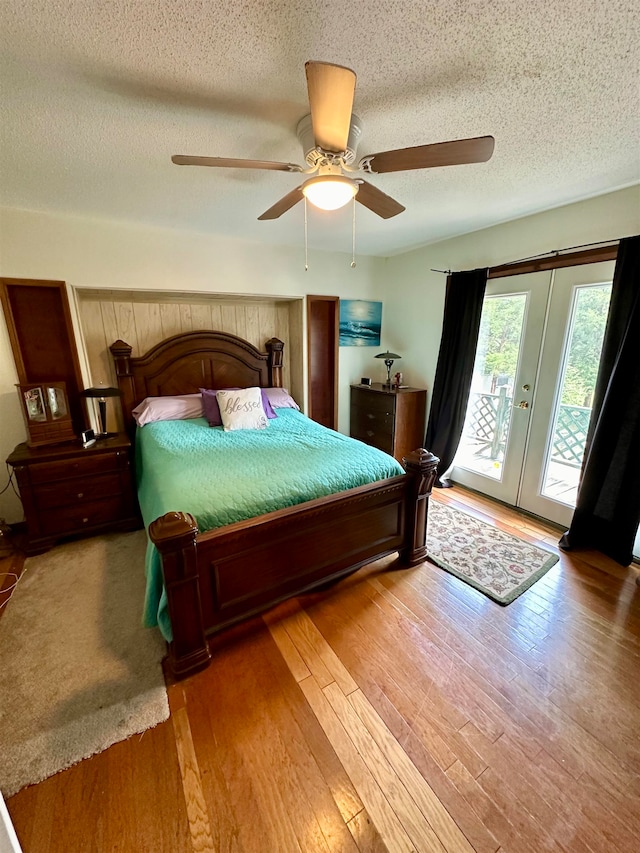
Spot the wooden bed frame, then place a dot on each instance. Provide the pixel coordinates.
(219, 577)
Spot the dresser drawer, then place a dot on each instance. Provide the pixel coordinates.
(382, 439)
(379, 404)
(370, 419)
(74, 519)
(47, 472)
(391, 420)
(77, 491)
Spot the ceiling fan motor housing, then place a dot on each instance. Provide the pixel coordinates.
(313, 155)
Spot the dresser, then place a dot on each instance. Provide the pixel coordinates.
(391, 419)
(70, 490)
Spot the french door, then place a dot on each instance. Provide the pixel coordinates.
(530, 403)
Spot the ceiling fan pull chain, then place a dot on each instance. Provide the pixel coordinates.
(353, 241)
(306, 242)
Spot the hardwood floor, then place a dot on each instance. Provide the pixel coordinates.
(395, 711)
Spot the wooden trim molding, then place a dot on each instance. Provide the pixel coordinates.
(554, 262)
(323, 334)
(42, 337)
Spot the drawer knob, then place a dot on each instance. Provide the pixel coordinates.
(370, 432)
(85, 520)
(80, 494)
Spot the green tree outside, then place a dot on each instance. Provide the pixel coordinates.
(501, 328)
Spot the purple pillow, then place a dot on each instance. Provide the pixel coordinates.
(174, 408)
(281, 399)
(211, 408)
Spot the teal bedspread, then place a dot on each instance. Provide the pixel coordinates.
(223, 477)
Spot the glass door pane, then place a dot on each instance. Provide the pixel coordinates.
(491, 451)
(486, 430)
(578, 377)
(569, 361)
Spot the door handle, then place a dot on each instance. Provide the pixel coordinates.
(523, 404)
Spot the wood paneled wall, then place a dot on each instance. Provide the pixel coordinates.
(143, 319)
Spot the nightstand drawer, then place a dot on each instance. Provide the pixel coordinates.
(70, 490)
(47, 472)
(74, 519)
(77, 491)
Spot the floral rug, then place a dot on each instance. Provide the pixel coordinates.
(496, 563)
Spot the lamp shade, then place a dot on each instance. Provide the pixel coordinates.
(329, 192)
(100, 391)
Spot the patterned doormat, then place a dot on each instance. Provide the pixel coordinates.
(498, 564)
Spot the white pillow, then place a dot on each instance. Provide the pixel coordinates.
(242, 409)
(176, 408)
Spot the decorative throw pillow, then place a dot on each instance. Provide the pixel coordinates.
(242, 409)
(280, 398)
(176, 408)
(212, 410)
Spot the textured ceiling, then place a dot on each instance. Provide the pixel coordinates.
(97, 96)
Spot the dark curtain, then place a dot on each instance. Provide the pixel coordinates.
(608, 504)
(462, 312)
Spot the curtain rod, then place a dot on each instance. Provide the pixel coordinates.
(512, 268)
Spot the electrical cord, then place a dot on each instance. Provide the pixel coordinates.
(11, 588)
(9, 480)
(4, 575)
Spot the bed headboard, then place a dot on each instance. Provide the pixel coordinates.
(185, 363)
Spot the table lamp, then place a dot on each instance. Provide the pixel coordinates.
(389, 358)
(100, 393)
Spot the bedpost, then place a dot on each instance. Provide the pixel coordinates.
(275, 349)
(121, 353)
(174, 535)
(421, 467)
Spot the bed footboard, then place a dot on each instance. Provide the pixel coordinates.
(174, 535)
(220, 577)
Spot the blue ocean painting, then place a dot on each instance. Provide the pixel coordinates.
(360, 323)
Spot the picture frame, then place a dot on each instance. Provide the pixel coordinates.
(360, 323)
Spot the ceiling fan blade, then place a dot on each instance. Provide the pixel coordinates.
(230, 163)
(284, 204)
(377, 201)
(331, 89)
(476, 150)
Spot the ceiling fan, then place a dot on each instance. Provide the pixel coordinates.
(329, 137)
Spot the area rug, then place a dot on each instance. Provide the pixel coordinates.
(496, 563)
(78, 672)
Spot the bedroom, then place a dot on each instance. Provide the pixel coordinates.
(140, 242)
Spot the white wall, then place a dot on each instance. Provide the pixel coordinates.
(412, 317)
(104, 254)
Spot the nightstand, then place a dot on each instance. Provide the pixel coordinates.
(391, 419)
(71, 490)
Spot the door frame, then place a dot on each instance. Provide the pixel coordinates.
(536, 287)
(553, 356)
(557, 260)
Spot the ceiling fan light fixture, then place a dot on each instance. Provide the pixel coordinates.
(330, 192)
